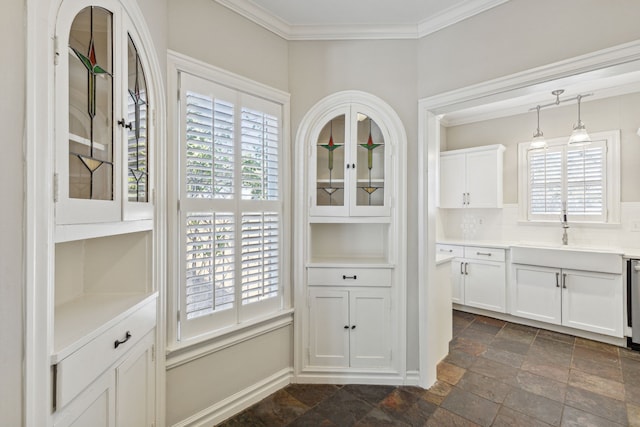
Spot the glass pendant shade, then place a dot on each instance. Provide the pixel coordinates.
(579, 136)
(538, 140)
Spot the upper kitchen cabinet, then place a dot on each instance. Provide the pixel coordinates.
(471, 177)
(350, 166)
(104, 128)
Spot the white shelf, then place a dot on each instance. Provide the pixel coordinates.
(68, 233)
(81, 320)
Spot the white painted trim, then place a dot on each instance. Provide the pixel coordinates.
(604, 62)
(239, 401)
(412, 378)
(179, 355)
(350, 378)
(450, 16)
(39, 208)
(399, 216)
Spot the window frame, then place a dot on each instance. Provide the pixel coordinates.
(246, 88)
(611, 190)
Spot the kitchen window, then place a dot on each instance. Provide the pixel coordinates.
(231, 186)
(584, 180)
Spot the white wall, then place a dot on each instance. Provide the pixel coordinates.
(12, 88)
(385, 68)
(519, 35)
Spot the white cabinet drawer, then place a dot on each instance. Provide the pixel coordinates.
(487, 254)
(343, 276)
(75, 372)
(456, 251)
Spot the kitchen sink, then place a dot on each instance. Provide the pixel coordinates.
(603, 260)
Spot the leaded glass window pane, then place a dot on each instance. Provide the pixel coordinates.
(91, 105)
(137, 138)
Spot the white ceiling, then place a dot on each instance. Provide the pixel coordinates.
(357, 19)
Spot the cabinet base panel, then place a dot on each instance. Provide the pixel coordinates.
(620, 342)
(345, 378)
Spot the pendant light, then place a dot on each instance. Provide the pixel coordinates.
(538, 140)
(579, 136)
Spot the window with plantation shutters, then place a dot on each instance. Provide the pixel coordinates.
(230, 207)
(582, 179)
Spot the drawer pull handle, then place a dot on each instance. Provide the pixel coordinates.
(346, 326)
(354, 277)
(557, 280)
(127, 337)
(484, 253)
(446, 250)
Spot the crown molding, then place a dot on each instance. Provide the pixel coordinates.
(455, 14)
(250, 10)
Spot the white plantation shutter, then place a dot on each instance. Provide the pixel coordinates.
(586, 179)
(230, 207)
(575, 176)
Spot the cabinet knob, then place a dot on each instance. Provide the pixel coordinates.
(346, 326)
(124, 124)
(353, 327)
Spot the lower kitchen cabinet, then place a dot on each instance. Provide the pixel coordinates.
(590, 301)
(123, 396)
(478, 276)
(349, 328)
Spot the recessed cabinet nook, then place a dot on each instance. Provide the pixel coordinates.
(104, 296)
(351, 152)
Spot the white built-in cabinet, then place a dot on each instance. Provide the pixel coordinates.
(478, 276)
(351, 267)
(586, 300)
(104, 299)
(471, 177)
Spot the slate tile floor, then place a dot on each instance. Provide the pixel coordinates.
(496, 374)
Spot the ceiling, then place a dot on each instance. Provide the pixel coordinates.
(357, 19)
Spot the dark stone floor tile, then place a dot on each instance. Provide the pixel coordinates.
(555, 346)
(557, 336)
(596, 404)
(596, 345)
(507, 417)
(417, 414)
(398, 402)
(511, 345)
(549, 356)
(541, 386)
(486, 387)
(449, 373)
(632, 392)
(593, 383)
(457, 314)
(468, 346)
(572, 417)
(279, 409)
(470, 406)
(312, 418)
(526, 336)
(437, 392)
(554, 372)
(593, 355)
(372, 394)
(499, 371)
(311, 394)
(377, 418)
(444, 418)
(460, 358)
(630, 369)
(484, 327)
(539, 407)
(490, 321)
(605, 370)
(343, 408)
(633, 415)
(477, 336)
(245, 418)
(503, 356)
(629, 354)
(524, 328)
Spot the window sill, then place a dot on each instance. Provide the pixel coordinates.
(195, 348)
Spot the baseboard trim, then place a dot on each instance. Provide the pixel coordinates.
(348, 378)
(412, 378)
(237, 402)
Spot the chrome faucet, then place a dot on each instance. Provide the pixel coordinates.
(565, 225)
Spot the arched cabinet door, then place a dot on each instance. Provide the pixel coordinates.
(349, 168)
(104, 138)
